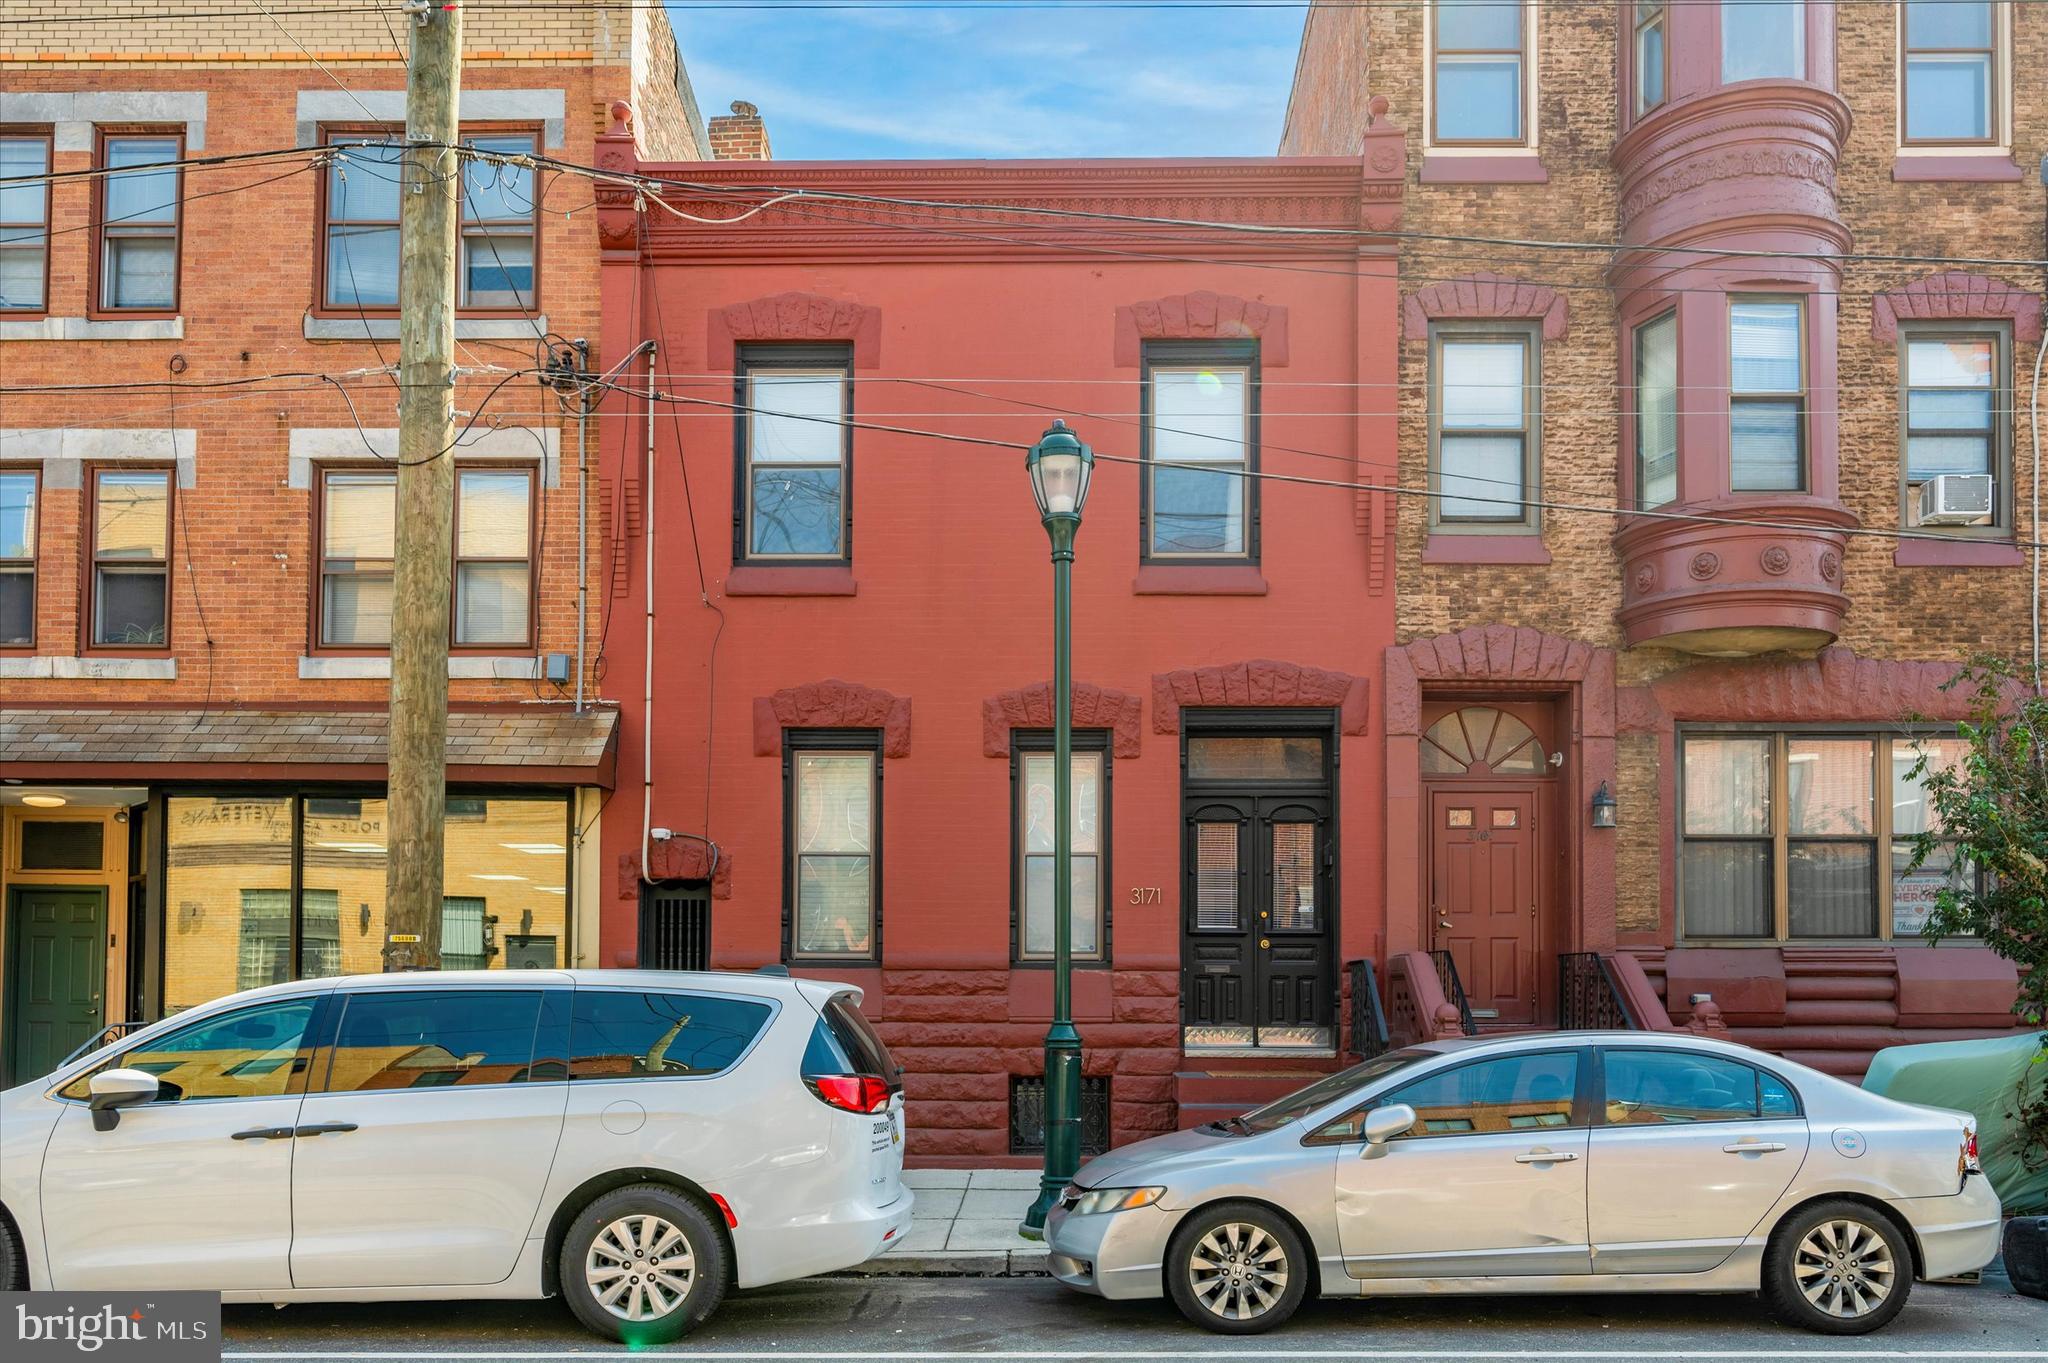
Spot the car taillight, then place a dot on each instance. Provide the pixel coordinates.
(1969, 1155)
(851, 1092)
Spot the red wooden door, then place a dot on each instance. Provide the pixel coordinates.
(1484, 897)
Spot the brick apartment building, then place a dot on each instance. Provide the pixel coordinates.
(1746, 676)
(848, 715)
(194, 567)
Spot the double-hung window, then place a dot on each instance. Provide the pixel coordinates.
(1485, 430)
(794, 496)
(1479, 72)
(18, 496)
(1767, 397)
(1949, 59)
(1784, 835)
(358, 517)
(359, 222)
(1032, 769)
(1762, 39)
(832, 900)
(1200, 501)
(131, 558)
(24, 222)
(1651, 29)
(1916, 889)
(138, 222)
(1956, 415)
(1656, 411)
(493, 557)
(499, 217)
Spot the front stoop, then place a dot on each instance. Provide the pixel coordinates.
(963, 1225)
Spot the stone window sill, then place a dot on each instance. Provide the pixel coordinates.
(1485, 549)
(1963, 167)
(92, 329)
(753, 580)
(1163, 579)
(89, 669)
(1958, 553)
(377, 666)
(1506, 168)
(386, 328)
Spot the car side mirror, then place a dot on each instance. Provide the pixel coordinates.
(113, 1090)
(1385, 1123)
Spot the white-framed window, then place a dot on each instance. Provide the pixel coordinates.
(1200, 445)
(1479, 73)
(834, 821)
(1956, 414)
(1766, 395)
(1763, 39)
(493, 557)
(1951, 73)
(1484, 423)
(1652, 33)
(358, 533)
(1656, 411)
(796, 455)
(1032, 768)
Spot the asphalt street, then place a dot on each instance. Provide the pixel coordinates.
(1034, 1318)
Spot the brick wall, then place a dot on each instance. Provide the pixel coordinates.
(740, 135)
(1903, 613)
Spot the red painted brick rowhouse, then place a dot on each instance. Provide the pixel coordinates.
(844, 731)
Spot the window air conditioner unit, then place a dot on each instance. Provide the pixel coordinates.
(1955, 499)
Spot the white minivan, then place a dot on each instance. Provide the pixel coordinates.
(637, 1141)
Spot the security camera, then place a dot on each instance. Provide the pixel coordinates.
(661, 834)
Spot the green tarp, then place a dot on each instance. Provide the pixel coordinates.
(1993, 1078)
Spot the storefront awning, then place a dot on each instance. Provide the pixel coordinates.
(527, 746)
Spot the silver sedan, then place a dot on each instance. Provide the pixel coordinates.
(1570, 1162)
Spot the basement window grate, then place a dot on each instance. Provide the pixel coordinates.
(1027, 1115)
(675, 927)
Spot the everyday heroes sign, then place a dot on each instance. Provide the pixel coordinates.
(164, 1327)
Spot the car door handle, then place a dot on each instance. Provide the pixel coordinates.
(1546, 1157)
(323, 1128)
(1753, 1147)
(263, 1133)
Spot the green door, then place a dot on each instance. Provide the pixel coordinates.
(56, 976)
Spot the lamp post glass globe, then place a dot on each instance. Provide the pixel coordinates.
(1060, 466)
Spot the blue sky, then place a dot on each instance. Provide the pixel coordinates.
(968, 82)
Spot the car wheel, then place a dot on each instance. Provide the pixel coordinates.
(1839, 1268)
(13, 1263)
(643, 1265)
(1237, 1268)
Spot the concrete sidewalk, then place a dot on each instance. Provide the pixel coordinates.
(964, 1224)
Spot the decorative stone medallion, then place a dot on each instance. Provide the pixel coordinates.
(1705, 564)
(1646, 578)
(1830, 564)
(1777, 560)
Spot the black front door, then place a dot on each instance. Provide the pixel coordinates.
(1256, 932)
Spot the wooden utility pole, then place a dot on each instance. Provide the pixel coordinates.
(429, 211)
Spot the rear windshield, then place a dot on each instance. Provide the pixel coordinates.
(1325, 1091)
(844, 1042)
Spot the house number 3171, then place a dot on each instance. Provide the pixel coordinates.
(1144, 894)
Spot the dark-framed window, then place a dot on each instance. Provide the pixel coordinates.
(1951, 84)
(1032, 848)
(1656, 410)
(25, 222)
(1763, 39)
(1485, 428)
(498, 270)
(136, 221)
(793, 439)
(1955, 391)
(274, 882)
(832, 827)
(356, 516)
(1478, 73)
(1784, 834)
(20, 498)
(1199, 497)
(1766, 394)
(128, 590)
(1648, 56)
(494, 569)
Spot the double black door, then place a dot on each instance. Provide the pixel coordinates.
(1258, 906)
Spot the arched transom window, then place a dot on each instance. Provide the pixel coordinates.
(1481, 737)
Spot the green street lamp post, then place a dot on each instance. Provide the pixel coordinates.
(1060, 466)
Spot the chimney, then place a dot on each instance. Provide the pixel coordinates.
(740, 135)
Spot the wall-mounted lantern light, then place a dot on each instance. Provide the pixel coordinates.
(1603, 807)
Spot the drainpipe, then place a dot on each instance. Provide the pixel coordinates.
(2040, 350)
(582, 541)
(647, 685)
